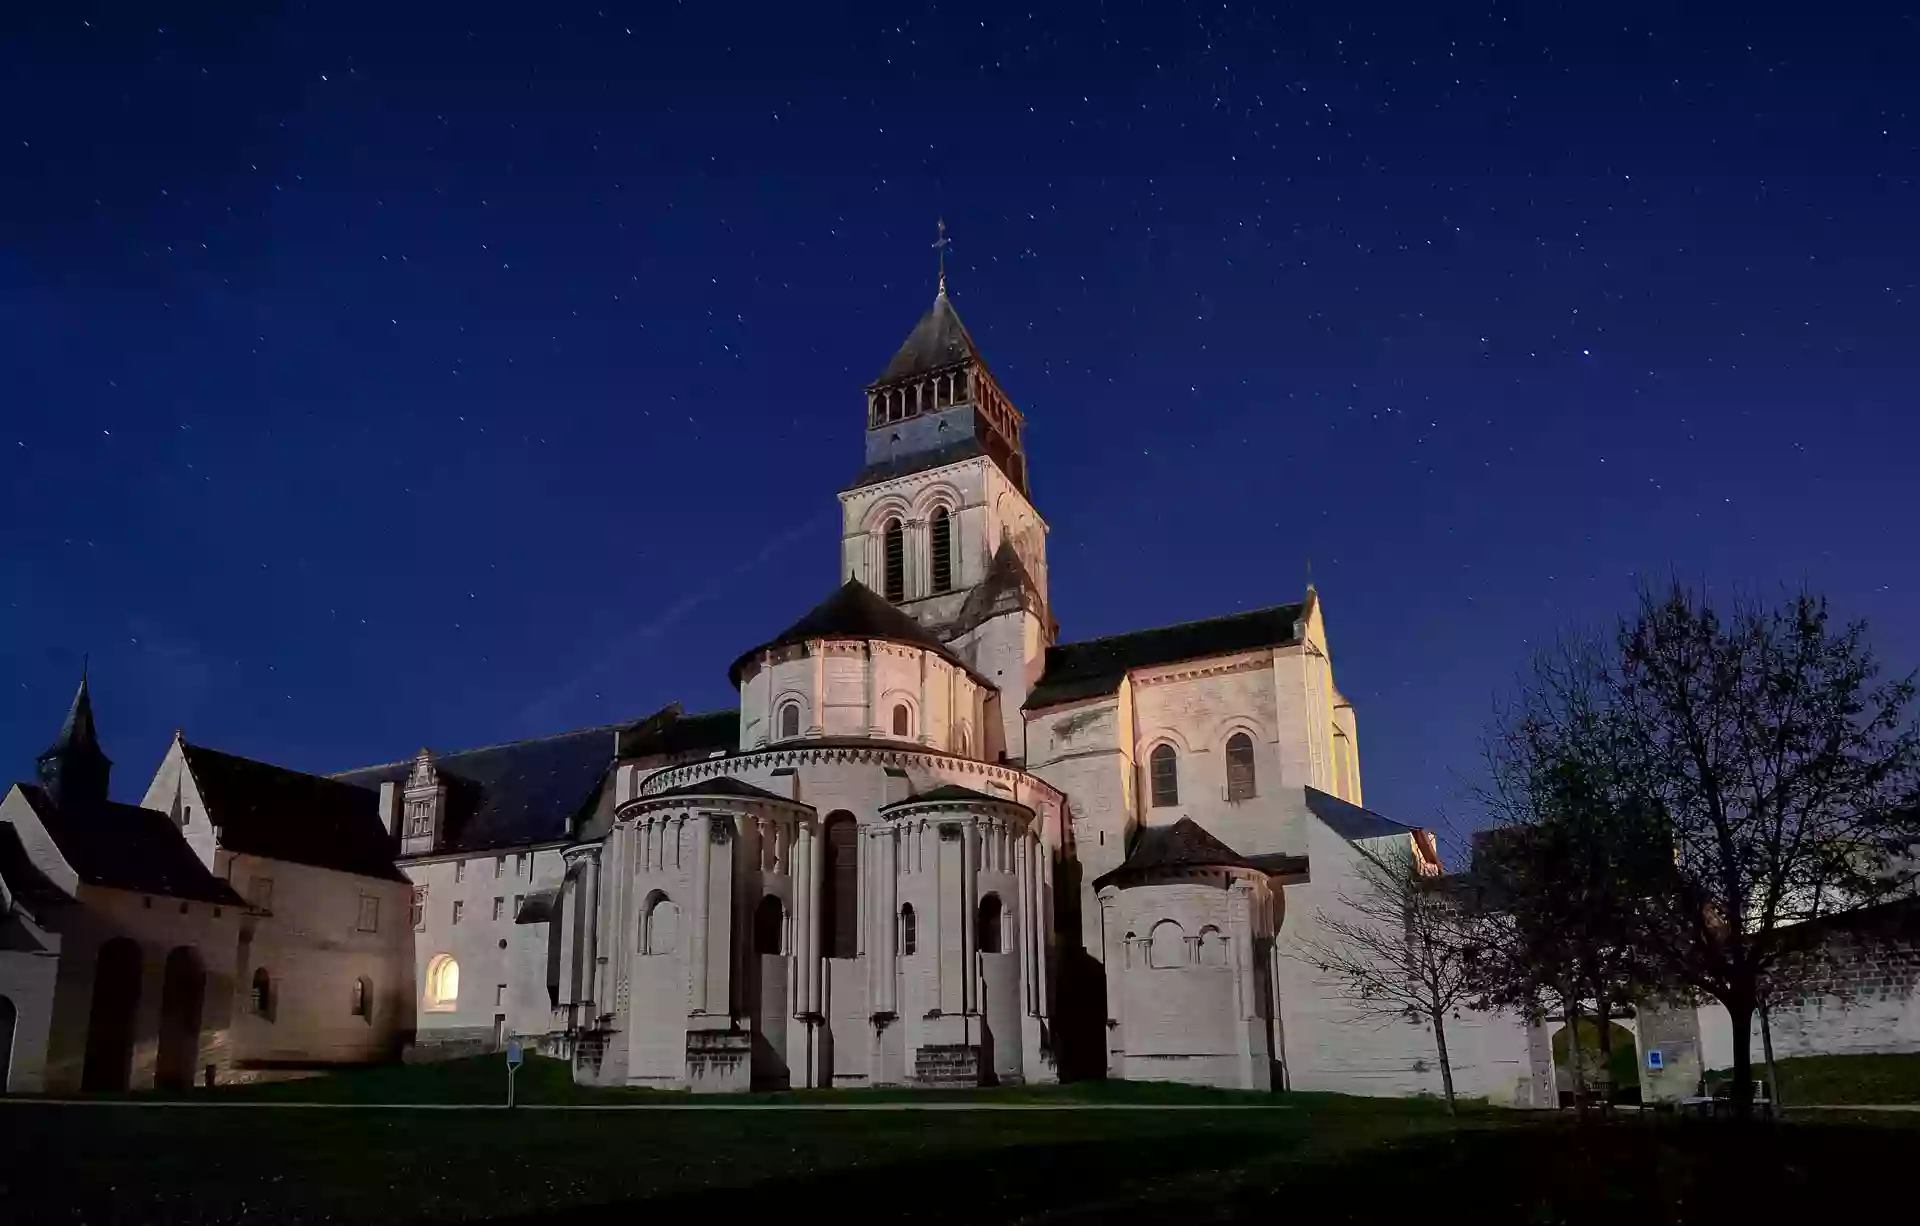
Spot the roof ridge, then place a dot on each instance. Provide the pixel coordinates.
(1195, 621)
(525, 740)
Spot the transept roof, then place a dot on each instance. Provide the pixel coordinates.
(1095, 667)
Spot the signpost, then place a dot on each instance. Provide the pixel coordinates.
(516, 1056)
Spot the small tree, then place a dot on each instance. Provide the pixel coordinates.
(1400, 946)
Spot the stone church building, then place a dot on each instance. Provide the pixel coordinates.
(935, 844)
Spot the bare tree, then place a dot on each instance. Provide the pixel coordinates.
(1399, 944)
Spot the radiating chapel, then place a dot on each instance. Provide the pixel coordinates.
(935, 844)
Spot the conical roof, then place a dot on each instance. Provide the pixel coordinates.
(855, 611)
(938, 340)
(77, 735)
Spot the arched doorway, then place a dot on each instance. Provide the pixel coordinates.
(8, 1015)
(116, 994)
(1613, 1077)
(181, 992)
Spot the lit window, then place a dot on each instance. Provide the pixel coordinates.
(369, 913)
(443, 983)
(942, 532)
(896, 560)
(1163, 776)
(1240, 767)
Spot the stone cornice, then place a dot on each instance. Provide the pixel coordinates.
(719, 803)
(1217, 668)
(793, 754)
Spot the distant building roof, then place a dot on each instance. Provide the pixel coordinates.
(280, 814)
(856, 611)
(512, 795)
(939, 340)
(1185, 844)
(1350, 821)
(125, 847)
(1095, 667)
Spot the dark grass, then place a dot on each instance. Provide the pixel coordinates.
(1354, 1161)
(1841, 1080)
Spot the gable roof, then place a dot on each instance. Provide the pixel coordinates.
(280, 814)
(856, 611)
(125, 847)
(1185, 844)
(1094, 667)
(937, 341)
(1350, 821)
(515, 794)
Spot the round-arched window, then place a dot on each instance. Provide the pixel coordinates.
(443, 983)
(790, 720)
(902, 720)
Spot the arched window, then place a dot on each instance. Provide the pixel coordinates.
(363, 998)
(909, 930)
(942, 534)
(790, 720)
(663, 926)
(262, 994)
(987, 933)
(1167, 946)
(1163, 776)
(902, 720)
(1240, 767)
(896, 560)
(966, 741)
(443, 984)
(769, 925)
(1213, 947)
(840, 883)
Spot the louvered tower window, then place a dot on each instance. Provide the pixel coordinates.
(1240, 767)
(942, 551)
(896, 548)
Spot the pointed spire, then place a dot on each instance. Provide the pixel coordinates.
(78, 732)
(941, 244)
(74, 769)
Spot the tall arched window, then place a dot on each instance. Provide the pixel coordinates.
(1163, 776)
(987, 933)
(902, 720)
(262, 994)
(942, 536)
(769, 924)
(896, 559)
(840, 883)
(663, 926)
(1167, 946)
(1240, 767)
(909, 930)
(443, 983)
(790, 720)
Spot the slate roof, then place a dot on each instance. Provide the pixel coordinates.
(1089, 669)
(1185, 844)
(281, 814)
(952, 792)
(1350, 821)
(125, 847)
(23, 877)
(856, 611)
(77, 733)
(966, 448)
(671, 734)
(537, 907)
(515, 794)
(937, 341)
(725, 785)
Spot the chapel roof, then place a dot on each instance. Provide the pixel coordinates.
(1095, 667)
(515, 794)
(126, 847)
(856, 611)
(723, 786)
(1350, 821)
(281, 814)
(1185, 844)
(952, 792)
(939, 340)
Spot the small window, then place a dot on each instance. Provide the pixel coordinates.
(942, 548)
(769, 924)
(1163, 776)
(909, 930)
(1239, 767)
(896, 561)
(458, 908)
(260, 893)
(499, 907)
(443, 983)
(987, 936)
(519, 900)
(790, 720)
(369, 913)
(262, 994)
(499, 994)
(499, 867)
(363, 998)
(520, 865)
(417, 913)
(459, 871)
(902, 720)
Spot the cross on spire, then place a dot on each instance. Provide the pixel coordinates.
(941, 244)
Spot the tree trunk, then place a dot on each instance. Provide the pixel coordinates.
(1603, 1066)
(1740, 1093)
(1578, 1074)
(1766, 1051)
(1446, 1062)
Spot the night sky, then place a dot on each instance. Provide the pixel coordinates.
(383, 376)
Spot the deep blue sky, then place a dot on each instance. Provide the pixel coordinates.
(380, 376)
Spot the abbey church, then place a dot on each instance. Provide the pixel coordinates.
(937, 843)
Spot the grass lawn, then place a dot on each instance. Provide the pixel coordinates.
(1322, 1158)
(1841, 1080)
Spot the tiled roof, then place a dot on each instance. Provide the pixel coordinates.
(1185, 844)
(512, 795)
(23, 877)
(938, 340)
(856, 611)
(281, 814)
(125, 847)
(1350, 821)
(1089, 669)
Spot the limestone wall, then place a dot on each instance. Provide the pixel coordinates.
(502, 971)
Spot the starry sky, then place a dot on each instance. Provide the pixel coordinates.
(377, 376)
